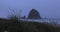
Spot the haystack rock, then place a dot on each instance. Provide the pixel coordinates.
(34, 14)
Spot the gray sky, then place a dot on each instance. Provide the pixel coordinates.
(47, 8)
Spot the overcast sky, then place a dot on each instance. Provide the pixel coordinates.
(46, 8)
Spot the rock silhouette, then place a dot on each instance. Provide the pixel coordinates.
(34, 14)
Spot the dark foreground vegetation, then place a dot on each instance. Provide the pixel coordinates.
(25, 26)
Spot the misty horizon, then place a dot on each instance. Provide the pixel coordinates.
(46, 8)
